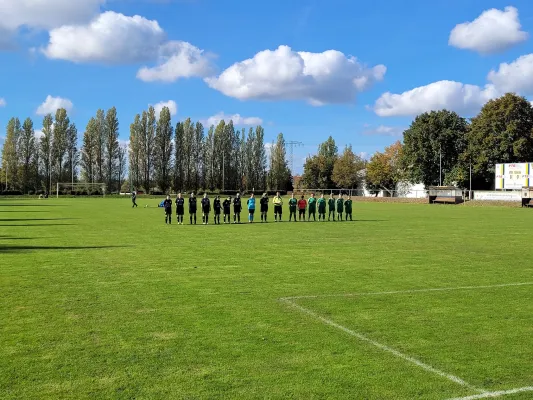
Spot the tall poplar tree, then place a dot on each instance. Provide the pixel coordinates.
(111, 146)
(163, 150)
(26, 153)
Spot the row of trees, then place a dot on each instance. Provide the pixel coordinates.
(161, 157)
(33, 162)
(327, 169)
(439, 147)
(185, 157)
(443, 147)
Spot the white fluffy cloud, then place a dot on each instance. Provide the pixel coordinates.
(114, 38)
(516, 76)
(383, 130)
(451, 95)
(111, 38)
(492, 32)
(3, 102)
(46, 14)
(52, 104)
(171, 105)
(176, 60)
(236, 118)
(284, 74)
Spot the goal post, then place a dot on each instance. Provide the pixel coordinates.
(83, 187)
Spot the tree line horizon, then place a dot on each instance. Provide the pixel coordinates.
(185, 157)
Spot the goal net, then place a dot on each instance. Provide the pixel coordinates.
(80, 189)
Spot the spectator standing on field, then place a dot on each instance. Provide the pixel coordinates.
(340, 207)
(237, 208)
(278, 207)
(134, 198)
(193, 205)
(180, 208)
(217, 206)
(226, 205)
(312, 207)
(167, 204)
(331, 207)
(251, 208)
(348, 208)
(293, 203)
(264, 207)
(206, 209)
(321, 208)
(302, 205)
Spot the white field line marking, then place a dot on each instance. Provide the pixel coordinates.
(444, 289)
(495, 394)
(383, 347)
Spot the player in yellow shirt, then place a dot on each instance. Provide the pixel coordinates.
(278, 207)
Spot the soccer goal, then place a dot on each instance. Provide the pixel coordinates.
(82, 188)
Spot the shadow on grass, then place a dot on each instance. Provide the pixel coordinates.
(25, 249)
(16, 238)
(23, 211)
(25, 225)
(28, 205)
(34, 219)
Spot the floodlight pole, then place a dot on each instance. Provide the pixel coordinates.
(470, 191)
(440, 165)
(72, 168)
(7, 174)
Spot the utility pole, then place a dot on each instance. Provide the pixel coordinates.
(292, 144)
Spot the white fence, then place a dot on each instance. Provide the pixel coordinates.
(497, 195)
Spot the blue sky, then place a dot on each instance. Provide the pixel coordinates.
(97, 54)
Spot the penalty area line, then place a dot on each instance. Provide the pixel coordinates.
(500, 393)
(383, 347)
(443, 289)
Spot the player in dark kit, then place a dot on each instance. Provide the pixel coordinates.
(206, 208)
(167, 204)
(237, 207)
(292, 208)
(217, 206)
(321, 208)
(312, 207)
(348, 208)
(340, 207)
(192, 208)
(264, 207)
(180, 208)
(226, 205)
(134, 198)
(331, 207)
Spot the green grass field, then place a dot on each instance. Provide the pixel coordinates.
(102, 301)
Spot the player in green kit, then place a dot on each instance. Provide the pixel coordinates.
(312, 207)
(340, 207)
(348, 208)
(331, 207)
(292, 208)
(321, 208)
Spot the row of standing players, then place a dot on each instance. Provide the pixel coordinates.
(336, 208)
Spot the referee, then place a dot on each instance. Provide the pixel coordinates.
(278, 209)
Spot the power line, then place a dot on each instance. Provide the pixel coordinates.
(292, 144)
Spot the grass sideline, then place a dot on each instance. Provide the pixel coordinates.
(102, 301)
